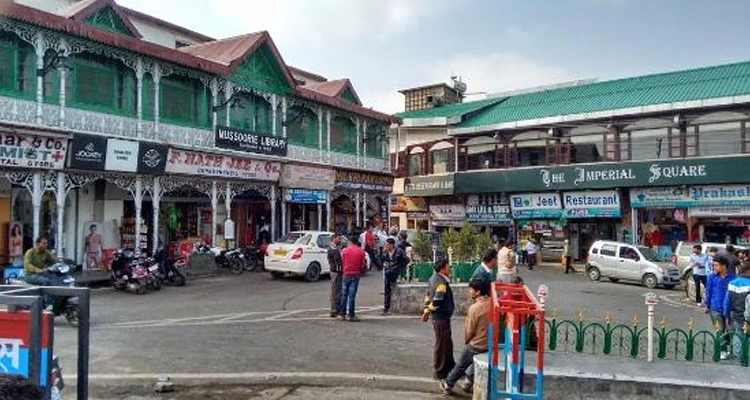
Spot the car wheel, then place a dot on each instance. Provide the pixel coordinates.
(614, 280)
(650, 281)
(277, 275)
(594, 274)
(669, 287)
(313, 272)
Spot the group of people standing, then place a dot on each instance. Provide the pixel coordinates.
(726, 278)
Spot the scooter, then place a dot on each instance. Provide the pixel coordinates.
(127, 273)
(61, 305)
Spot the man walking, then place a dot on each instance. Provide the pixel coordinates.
(335, 263)
(531, 249)
(567, 259)
(439, 304)
(394, 261)
(736, 307)
(475, 336)
(732, 260)
(489, 262)
(698, 262)
(716, 292)
(506, 268)
(353, 261)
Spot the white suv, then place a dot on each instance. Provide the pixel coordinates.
(616, 260)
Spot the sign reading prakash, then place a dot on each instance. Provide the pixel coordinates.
(28, 151)
(691, 196)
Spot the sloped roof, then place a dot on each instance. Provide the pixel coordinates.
(304, 73)
(649, 90)
(451, 110)
(199, 37)
(333, 88)
(82, 9)
(233, 51)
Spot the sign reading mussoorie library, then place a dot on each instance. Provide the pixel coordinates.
(249, 141)
(607, 175)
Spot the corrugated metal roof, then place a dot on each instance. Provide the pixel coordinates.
(226, 51)
(695, 84)
(450, 110)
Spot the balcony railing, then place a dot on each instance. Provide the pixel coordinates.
(97, 123)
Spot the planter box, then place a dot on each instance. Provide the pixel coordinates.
(409, 298)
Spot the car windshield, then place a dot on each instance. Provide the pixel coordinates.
(291, 237)
(650, 254)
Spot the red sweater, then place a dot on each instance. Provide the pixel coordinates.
(353, 260)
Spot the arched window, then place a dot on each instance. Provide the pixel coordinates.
(442, 158)
(343, 135)
(302, 126)
(416, 161)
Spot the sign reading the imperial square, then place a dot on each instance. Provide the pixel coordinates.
(27, 151)
(607, 175)
(249, 141)
(220, 166)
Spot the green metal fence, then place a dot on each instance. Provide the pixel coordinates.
(630, 340)
(422, 271)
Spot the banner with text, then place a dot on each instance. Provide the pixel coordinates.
(220, 166)
(536, 205)
(29, 151)
(593, 204)
(305, 177)
(498, 214)
(249, 141)
(431, 185)
(692, 196)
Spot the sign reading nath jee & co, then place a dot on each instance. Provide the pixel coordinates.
(607, 175)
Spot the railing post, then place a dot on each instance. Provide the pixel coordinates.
(650, 303)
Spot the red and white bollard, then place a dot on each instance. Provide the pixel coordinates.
(650, 303)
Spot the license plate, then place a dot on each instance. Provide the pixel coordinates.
(153, 268)
(279, 252)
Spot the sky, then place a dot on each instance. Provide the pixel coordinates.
(384, 46)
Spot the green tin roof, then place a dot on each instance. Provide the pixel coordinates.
(695, 84)
(450, 110)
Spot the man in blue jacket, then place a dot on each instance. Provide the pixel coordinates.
(716, 292)
(735, 305)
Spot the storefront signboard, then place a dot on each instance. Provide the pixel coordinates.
(430, 185)
(88, 152)
(29, 151)
(305, 196)
(447, 214)
(691, 196)
(363, 181)
(536, 205)
(417, 215)
(728, 211)
(593, 204)
(498, 214)
(305, 177)
(221, 166)
(122, 155)
(671, 172)
(249, 141)
(407, 204)
(152, 158)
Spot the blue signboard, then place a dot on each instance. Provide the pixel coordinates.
(305, 196)
(538, 213)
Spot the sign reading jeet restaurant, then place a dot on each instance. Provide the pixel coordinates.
(249, 141)
(28, 151)
(607, 175)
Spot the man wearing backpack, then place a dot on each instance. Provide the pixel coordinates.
(737, 305)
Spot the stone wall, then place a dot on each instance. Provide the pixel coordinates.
(408, 298)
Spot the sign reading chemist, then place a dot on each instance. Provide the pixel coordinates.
(249, 141)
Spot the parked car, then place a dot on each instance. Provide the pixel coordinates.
(616, 260)
(301, 253)
(681, 258)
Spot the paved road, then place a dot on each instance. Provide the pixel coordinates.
(251, 323)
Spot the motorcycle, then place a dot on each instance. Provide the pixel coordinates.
(255, 256)
(61, 305)
(127, 273)
(169, 271)
(231, 259)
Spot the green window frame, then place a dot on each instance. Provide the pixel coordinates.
(302, 130)
(254, 113)
(343, 135)
(183, 101)
(17, 68)
(102, 85)
(375, 146)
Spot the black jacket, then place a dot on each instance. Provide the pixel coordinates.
(395, 262)
(334, 260)
(439, 299)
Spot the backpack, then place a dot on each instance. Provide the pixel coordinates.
(747, 308)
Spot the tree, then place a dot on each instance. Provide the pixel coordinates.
(421, 247)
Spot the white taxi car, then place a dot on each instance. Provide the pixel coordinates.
(301, 253)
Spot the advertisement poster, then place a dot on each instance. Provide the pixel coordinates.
(92, 245)
(122, 155)
(15, 243)
(29, 151)
(220, 166)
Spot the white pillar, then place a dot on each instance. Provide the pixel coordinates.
(155, 200)
(329, 217)
(139, 99)
(228, 199)
(283, 116)
(273, 119)
(364, 208)
(320, 134)
(63, 78)
(214, 102)
(283, 216)
(157, 78)
(273, 213)
(357, 204)
(60, 193)
(36, 202)
(455, 154)
(320, 217)
(328, 135)
(364, 144)
(359, 139)
(634, 225)
(138, 200)
(214, 206)
(228, 108)
(40, 50)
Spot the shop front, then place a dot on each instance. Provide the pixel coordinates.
(491, 213)
(539, 216)
(305, 202)
(591, 216)
(447, 214)
(437, 191)
(359, 197)
(414, 211)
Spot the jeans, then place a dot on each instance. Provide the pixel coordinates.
(720, 324)
(443, 350)
(739, 336)
(44, 279)
(349, 294)
(389, 280)
(464, 366)
(698, 279)
(336, 293)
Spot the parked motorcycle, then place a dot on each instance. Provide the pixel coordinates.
(171, 271)
(127, 273)
(254, 256)
(231, 259)
(153, 281)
